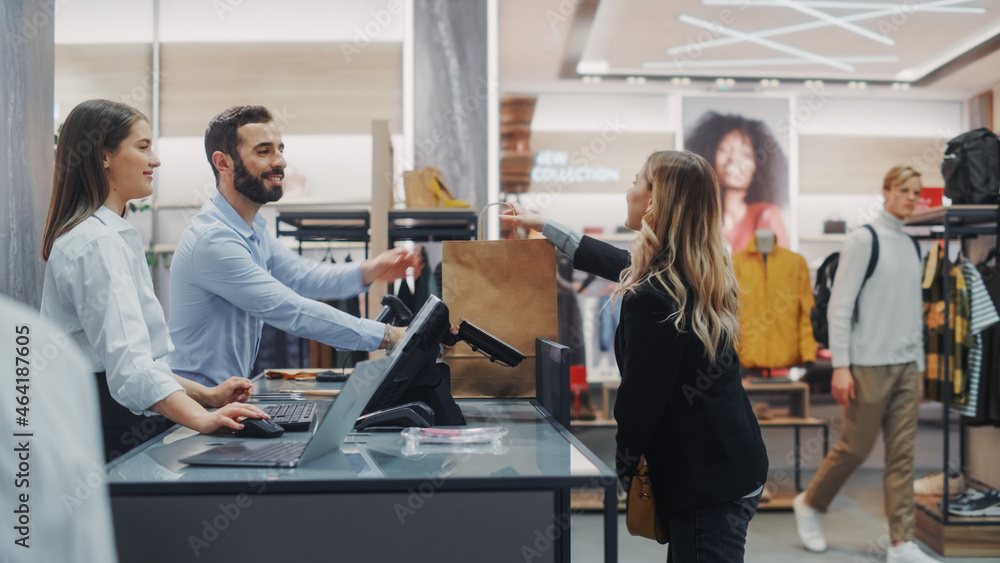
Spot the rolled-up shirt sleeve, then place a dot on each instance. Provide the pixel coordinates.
(313, 279)
(103, 291)
(562, 237)
(223, 265)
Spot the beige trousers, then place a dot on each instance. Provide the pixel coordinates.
(886, 398)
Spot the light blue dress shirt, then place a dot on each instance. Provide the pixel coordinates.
(227, 279)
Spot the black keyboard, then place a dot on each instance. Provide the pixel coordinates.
(293, 417)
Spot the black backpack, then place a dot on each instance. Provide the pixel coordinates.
(971, 168)
(824, 288)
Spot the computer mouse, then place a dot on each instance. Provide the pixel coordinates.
(259, 428)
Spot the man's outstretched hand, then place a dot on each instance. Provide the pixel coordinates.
(391, 265)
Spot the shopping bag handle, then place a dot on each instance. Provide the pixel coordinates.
(482, 215)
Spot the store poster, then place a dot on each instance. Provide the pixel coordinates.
(747, 143)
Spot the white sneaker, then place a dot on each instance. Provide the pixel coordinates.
(807, 523)
(908, 553)
(933, 484)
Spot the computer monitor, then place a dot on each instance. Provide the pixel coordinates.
(414, 374)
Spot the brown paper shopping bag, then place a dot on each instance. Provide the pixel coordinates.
(507, 288)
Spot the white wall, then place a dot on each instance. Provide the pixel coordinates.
(131, 21)
(581, 112)
(882, 117)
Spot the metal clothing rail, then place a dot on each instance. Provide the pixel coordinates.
(961, 221)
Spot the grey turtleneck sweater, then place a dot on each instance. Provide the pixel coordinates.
(890, 320)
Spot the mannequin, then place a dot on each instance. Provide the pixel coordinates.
(776, 293)
(765, 239)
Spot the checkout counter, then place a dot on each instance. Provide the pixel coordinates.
(368, 501)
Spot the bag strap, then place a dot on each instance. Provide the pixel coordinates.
(872, 262)
(916, 245)
(482, 216)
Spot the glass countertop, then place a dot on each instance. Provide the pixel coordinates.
(536, 452)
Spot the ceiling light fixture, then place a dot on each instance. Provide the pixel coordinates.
(936, 7)
(720, 29)
(879, 10)
(799, 7)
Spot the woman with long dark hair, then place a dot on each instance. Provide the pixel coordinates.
(98, 288)
(681, 403)
(752, 171)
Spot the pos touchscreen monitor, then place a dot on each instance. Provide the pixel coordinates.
(414, 372)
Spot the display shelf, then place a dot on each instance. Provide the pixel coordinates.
(960, 536)
(426, 225)
(591, 500)
(947, 533)
(954, 215)
(795, 417)
(797, 391)
(778, 501)
(792, 421)
(326, 226)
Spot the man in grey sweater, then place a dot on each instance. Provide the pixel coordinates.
(877, 368)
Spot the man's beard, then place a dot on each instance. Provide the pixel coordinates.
(252, 187)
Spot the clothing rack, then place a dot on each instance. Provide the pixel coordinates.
(957, 222)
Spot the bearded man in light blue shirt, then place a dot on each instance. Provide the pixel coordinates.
(229, 275)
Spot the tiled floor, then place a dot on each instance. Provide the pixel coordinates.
(855, 527)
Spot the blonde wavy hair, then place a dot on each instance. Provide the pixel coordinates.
(680, 247)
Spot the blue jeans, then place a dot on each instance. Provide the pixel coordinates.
(711, 534)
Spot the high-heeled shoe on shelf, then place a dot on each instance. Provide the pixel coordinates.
(426, 190)
(442, 193)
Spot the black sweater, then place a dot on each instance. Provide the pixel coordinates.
(691, 419)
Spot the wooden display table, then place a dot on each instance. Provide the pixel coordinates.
(795, 417)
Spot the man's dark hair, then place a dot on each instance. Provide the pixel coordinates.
(222, 134)
(770, 180)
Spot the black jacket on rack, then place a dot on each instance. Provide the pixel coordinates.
(691, 419)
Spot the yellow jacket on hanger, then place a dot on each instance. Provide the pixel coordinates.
(776, 331)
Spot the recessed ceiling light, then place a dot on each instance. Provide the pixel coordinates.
(630, 80)
(862, 84)
(640, 79)
(685, 81)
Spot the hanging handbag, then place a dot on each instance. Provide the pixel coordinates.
(641, 519)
